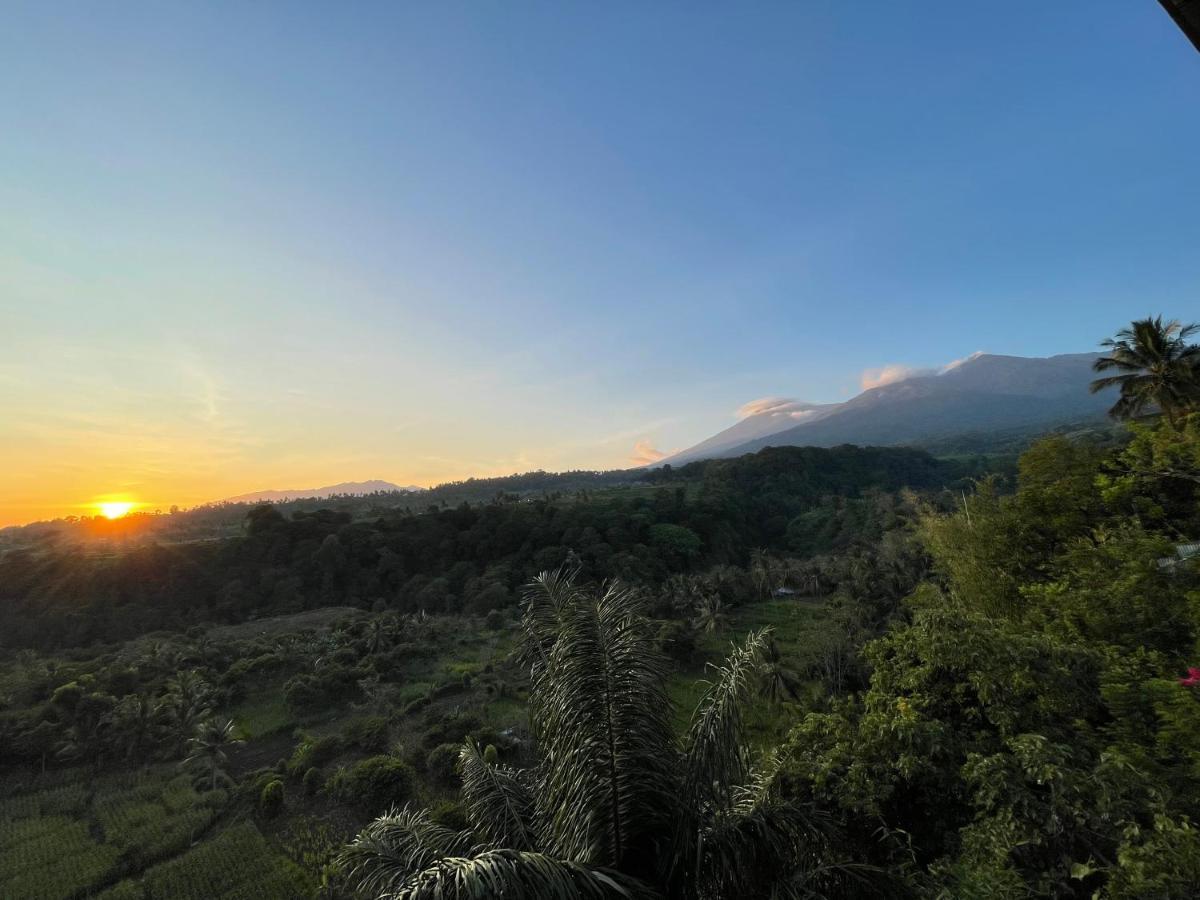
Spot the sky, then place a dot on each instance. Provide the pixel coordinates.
(282, 245)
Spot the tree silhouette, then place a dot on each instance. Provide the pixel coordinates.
(1157, 368)
(617, 805)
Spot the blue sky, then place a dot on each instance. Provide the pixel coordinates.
(277, 245)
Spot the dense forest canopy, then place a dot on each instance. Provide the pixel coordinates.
(471, 557)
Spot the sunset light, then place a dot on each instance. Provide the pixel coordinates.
(114, 509)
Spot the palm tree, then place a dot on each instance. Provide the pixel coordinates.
(617, 805)
(187, 701)
(710, 615)
(207, 759)
(133, 722)
(1158, 368)
(760, 570)
(778, 681)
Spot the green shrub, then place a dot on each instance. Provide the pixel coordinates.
(313, 779)
(449, 814)
(374, 784)
(451, 730)
(312, 752)
(441, 764)
(270, 801)
(416, 706)
(369, 734)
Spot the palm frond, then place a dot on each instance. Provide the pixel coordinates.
(498, 801)
(715, 758)
(523, 875)
(748, 853)
(1100, 384)
(545, 599)
(396, 846)
(608, 777)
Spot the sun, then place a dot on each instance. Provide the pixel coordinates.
(114, 509)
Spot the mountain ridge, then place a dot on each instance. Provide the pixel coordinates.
(985, 391)
(345, 487)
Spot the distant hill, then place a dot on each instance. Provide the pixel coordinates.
(332, 490)
(984, 393)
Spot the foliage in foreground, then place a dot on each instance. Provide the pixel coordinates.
(1028, 734)
(616, 807)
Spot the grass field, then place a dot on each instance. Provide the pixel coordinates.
(70, 840)
(795, 625)
(263, 712)
(236, 864)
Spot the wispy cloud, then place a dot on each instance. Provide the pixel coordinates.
(890, 374)
(896, 372)
(775, 406)
(954, 364)
(644, 453)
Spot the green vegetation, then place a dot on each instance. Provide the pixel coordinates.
(618, 806)
(237, 864)
(962, 679)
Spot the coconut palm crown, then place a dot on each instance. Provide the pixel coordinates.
(1157, 366)
(617, 806)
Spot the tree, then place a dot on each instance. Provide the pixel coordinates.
(710, 615)
(187, 702)
(617, 806)
(133, 722)
(778, 681)
(207, 758)
(1157, 368)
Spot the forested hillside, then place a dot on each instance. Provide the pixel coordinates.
(469, 558)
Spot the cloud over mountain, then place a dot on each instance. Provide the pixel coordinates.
(645, 453)
(890, 374)
(774, 406)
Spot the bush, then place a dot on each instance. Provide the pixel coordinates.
(312, 781)
(270, 801)
(495, 620)
(374, 784)
(312, 752)
(415, 706)
(369, 734)
(449, 814)
(442, 764)
(450, 730)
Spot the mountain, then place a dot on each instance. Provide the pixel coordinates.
(983, 393)
(346, 487)
(763, 418)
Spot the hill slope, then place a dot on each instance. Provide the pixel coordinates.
(331, 490)
(983, 393)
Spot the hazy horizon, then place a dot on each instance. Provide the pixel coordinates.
(246, 249)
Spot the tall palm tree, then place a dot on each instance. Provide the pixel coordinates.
(1157, 367)
(617, 805)
(778, 681)
(207, 758)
